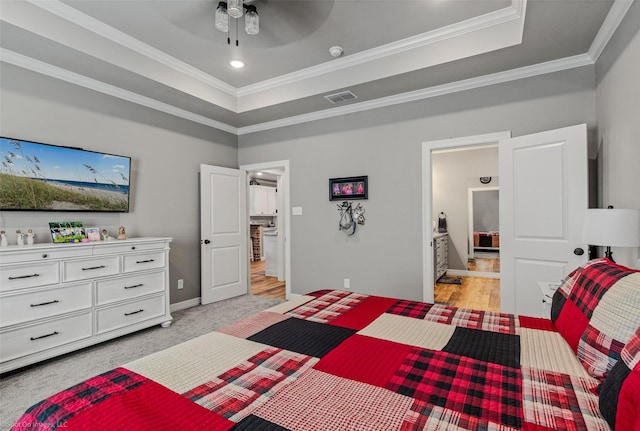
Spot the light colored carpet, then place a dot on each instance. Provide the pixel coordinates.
(22, 388)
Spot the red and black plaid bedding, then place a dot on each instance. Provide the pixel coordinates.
(336, 360)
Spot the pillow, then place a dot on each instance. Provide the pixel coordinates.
(620, 392)
(596, 310)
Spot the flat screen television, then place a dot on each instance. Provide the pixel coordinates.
(44, 177)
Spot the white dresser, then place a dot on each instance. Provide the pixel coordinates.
(56, 298)
(440, 255)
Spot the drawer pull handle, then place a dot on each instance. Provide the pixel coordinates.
(24, 276)
(44, 336)
(135, 285)
(55, 301)
(134, 312)
(94, 267)
(145, 261)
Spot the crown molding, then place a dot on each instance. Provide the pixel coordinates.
(612, 21)
(439, 90)
(25, 62)
(56, 7)
(616, 14)
(513, 12)
(47, 69)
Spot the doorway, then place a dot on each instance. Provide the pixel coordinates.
(484, 229)
(269, 252)
(466, 289)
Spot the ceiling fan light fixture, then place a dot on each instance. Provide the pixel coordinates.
(235, 8)
(222, 17)
(251, 20)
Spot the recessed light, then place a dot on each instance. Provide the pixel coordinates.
(237, 64)
(259, 174)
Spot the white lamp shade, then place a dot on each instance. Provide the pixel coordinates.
(612, 227)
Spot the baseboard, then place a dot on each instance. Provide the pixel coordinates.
(184, 304)
(465, 273)
(293, 296)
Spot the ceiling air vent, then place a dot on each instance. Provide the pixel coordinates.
(340, 97)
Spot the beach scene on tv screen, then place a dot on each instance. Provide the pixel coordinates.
(37, 176)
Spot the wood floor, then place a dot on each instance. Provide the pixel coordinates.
(481, 264)
(261, 285)
(474, 292)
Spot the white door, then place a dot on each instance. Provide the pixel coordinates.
(223, 233)
(543, 198)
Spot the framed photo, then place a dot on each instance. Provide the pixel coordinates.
(92, 233)
(66, 231)
(348, 188)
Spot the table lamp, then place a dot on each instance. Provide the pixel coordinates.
(612, 227)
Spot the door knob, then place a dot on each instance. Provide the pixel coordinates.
(578, 251)
(206, 241)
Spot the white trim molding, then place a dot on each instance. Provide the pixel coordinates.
(177, 306)
(125, 51)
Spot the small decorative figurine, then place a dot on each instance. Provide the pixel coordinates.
(121, 233)
(3, 239)
(20, 237)
(30, 237)
(105, 235)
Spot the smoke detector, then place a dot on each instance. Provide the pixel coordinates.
(335, 51)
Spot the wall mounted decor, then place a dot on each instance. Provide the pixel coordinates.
(348, 188)
(350, 217)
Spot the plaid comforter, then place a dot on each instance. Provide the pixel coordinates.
(335, 360)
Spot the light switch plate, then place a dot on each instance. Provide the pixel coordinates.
(296, 211)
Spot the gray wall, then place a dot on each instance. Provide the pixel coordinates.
(453, 173)
(166, 153)
(385, 256)
(618, 115)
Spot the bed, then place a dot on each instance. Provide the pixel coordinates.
(336, 360)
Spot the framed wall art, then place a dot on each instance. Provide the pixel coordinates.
(348, 188)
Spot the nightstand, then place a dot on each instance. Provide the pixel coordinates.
(548, 289)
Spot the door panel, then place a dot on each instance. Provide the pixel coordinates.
(543, 198)
(223, 225)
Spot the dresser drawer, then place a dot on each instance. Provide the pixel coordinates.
(36, 338)
(84, 269)
(28, 254)
(133, 286)
(140, 261)
(32, 275)
(114, 247)
(123, 315)
(25, 307)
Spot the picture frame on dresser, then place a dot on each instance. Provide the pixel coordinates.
(66, 231)
(92, 233)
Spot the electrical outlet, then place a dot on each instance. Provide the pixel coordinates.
(181, 284)
(347, 283)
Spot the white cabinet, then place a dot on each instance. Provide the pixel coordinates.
(56, 298)
(440, 255)
(262, 201)
(271, 255)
